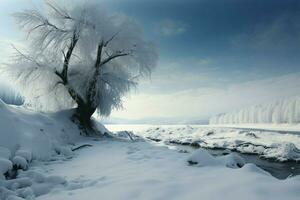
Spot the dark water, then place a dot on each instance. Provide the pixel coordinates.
(280, 170)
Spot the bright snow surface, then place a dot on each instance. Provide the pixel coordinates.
(139, 170)
(119, 168)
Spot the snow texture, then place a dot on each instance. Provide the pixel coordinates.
(27, 136)
(5, 165)
(139, 170)
(280, 111)
(34, 135)
(267, 144)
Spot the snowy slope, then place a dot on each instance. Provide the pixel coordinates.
(281, 111)
(38, 133)
(26, 137)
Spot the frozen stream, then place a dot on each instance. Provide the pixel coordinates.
(280, 170)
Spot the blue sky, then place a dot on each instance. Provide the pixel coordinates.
(224, 49)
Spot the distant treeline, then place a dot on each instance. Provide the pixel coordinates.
(280, 111)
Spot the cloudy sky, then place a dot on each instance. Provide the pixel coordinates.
(215, 55)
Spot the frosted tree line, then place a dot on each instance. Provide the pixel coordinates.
(280, 111)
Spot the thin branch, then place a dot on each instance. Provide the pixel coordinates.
(110, 39)
(115, 55)
(59, 11)
(26, 56)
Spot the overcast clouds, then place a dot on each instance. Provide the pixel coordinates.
(215, 55)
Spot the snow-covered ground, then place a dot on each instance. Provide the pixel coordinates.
(36, 153)
(139, 170)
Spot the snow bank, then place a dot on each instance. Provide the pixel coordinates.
(29, 134)
(26, 136)
(267, 144)
(280, 111)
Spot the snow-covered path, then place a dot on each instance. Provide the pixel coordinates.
(138, 170)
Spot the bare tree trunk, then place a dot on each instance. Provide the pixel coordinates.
(82, 117)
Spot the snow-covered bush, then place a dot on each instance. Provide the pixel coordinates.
(280, 111)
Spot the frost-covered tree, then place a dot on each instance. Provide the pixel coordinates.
(81, 57)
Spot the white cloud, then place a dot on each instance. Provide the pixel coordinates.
(168, 27)
(204, 102)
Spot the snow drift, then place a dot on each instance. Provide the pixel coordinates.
(27, 136)
(40, 134)
(280, 111)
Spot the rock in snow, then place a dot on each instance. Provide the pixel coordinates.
(202, 158)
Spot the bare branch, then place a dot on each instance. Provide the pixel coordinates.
(26, 57)
(110, 39)
(64, 73)
(114, 56)
(59, 11)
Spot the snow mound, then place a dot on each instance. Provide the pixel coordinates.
(27, 136)
(28, 185)
(201, 157)
(232, 160)
(5, 165)
(24, 154)
(34, 135)
(20, 162)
